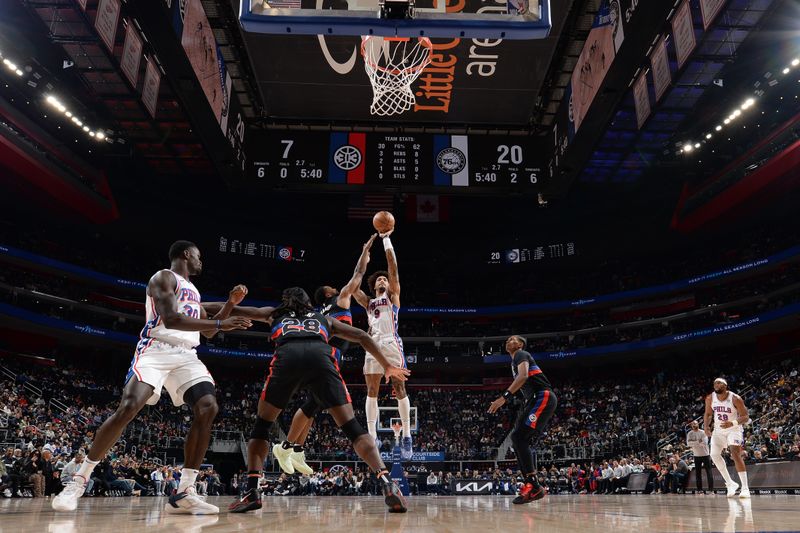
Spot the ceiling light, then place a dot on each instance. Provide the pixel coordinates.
(736, 113)
(687, 147)
(101, 135)
(718, 128)
(708, 135)
(727, 121)
(795, 62)
(68, 114)
(92, 134)
(786, 70)
(697, 145)
(86, 129)
(19, 72)
(52, 100)
(10, 65)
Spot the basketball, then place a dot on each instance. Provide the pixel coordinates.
(383, 221)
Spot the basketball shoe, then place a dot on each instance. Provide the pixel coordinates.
(250, 501)
(732, 486)
(393, 497)
(528, 494)
(744, 494)
(284, 457)
(298, 460)
(188, 502)
(67, 499)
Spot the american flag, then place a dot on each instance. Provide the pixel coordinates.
(364, 206)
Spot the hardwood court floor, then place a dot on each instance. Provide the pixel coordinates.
(463, 514)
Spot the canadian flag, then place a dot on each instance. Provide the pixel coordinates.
(427, 208)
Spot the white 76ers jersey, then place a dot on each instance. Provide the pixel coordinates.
(187, 303)
(724, 411)
(382, 319)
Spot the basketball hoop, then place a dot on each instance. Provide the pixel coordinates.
(392, 64)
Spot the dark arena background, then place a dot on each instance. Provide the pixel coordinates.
(602, 192)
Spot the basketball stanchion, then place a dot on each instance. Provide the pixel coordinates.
(397, 464)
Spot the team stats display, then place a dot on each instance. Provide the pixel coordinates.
(458, 162)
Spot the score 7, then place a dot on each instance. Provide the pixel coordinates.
(287, 143)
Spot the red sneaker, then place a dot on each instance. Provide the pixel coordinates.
(528, 494)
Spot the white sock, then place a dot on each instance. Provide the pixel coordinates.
(719, 462)
(404, 406)
(188, 478)
(371, 409)
(85, 471)
(743, 479)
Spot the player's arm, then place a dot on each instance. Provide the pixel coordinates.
(353, 287)
(349, 333)
(743, 417)
(519, 381)
(260, 314)
(391, 262)
(235, 297)
(161, 289)
(707, 416)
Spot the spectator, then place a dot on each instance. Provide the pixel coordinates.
(678, 474)
(71, 468)
(697, 441)
(157, 477)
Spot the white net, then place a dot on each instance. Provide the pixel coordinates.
(392, 65)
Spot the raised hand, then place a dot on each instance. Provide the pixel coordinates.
(237, 294)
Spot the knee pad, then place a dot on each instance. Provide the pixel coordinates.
(352, 429)
(261, 429)
(197, 391)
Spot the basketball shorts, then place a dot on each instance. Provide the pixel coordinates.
(391, 350)
(305, 364)
(537, 411)
(722, 439)
(163, 365)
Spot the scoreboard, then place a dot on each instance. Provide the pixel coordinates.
(403, 160)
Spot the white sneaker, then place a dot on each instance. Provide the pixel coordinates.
(284, 458)
(744, 494)
(67, 499)
(732, 486)
(298, 460)
(187, 502)
(7, 493)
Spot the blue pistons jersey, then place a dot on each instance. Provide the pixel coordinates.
(288, 325)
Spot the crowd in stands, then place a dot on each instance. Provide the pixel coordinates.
(620, 419)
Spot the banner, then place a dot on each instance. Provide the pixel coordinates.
(471, 486)
(774, 475)
(683, 33)
(641, 99)
(17, 255)
(106, 21)
(662, 76)
(201, 48)
(152, 85)
(418, 457)
(87, 329)
(709, 9)
(593, 63)
(131, 54)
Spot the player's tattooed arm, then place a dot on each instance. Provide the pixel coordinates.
(353, 287)
(235, 297)
(161, 289)
(349, 333)
(394, 276)
(707, 415)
